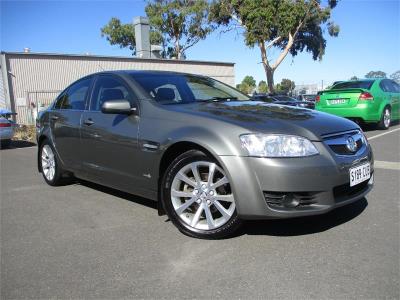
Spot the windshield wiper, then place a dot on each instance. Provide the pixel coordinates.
(218, 99)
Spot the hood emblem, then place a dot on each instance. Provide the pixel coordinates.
(351, 144)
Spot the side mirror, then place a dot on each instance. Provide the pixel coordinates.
(117, 107)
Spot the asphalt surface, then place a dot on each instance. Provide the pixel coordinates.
(87, 241)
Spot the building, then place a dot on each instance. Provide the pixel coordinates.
(30, 81)
(306, 89)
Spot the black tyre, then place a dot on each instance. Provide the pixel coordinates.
(50, 165)
(197, 197)
(386, 119)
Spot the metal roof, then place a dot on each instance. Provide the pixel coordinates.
(163, 60)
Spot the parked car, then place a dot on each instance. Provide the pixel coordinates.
(367, 101)
(7, 127)
(209, 155)
(283, 100)
(307, 97)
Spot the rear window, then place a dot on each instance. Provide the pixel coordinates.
(364, 84)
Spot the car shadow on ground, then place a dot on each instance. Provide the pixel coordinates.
(371, 126)
(282, 227)
(119, 194)
(304, 225)
(17, 144)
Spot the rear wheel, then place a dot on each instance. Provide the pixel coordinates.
(198, 198)
(50, 166)
(385, 120)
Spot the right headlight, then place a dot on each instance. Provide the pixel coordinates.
(277, 145)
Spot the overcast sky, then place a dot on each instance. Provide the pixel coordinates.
(369, 38)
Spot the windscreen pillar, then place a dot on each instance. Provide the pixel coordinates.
(142, 37)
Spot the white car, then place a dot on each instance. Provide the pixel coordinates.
(7, 127)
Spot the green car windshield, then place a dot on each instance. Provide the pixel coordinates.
(361, 84)
(184, 88)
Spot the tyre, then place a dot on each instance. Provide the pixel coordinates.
(5, 143)
(386, 118)
(50, 166)
(197, 197)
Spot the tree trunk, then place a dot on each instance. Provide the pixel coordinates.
(270, 79)
(177, 49)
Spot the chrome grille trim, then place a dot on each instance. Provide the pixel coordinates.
(337, 142)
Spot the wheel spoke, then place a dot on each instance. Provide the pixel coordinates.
(176, 193)
(195, 172)
(45, 164)
(211, 171)
(186, 179)
(196, 217)
(209, 218)
(185, 206)
(222, 210)
(220, 182)
(227, 198)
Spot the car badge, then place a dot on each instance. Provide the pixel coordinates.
(351, 144)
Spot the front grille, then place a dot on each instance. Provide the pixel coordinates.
(345, 191)
(337, 142)
(288, 200)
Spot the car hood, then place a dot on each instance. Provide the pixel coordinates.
(257, 116)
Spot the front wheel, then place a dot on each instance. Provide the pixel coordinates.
(50, 166)
(197, 197)
(385, 120)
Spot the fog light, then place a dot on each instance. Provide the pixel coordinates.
(290, 201)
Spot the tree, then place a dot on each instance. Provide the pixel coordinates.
(247, 85)
(375, 74)
(396, 76)
(262, 87)
(354, 78)
(124, 35)
(183, 23)
(290, 26)
(285, 86)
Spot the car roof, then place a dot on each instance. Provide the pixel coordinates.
(143, 72)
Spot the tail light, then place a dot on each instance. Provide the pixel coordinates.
(366, 96)
(318, 98)
(5, 124)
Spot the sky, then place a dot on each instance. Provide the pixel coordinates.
(369, 37)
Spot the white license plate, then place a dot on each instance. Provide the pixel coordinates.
(337, 101)
(359, 174)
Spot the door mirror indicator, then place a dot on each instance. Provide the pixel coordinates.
(118, 107)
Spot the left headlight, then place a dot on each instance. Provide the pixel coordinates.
(277, 145)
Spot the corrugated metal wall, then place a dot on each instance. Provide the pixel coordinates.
(2, 94)
(31, 73)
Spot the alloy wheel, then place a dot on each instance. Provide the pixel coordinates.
(386, 118)
(201, 195)
(48, 162)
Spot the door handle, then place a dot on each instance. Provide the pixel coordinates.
(54, 118)
(88, 122)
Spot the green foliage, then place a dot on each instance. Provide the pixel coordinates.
(247, 85)
(285, 86)
(183, 23)
(354, 78)
(396, 76)
(291, 26)
(262, 87)
(375, 74)
(124, 35)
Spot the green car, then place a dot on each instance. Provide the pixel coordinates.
(364, 101)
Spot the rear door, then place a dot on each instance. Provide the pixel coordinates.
(110, 141)
(65, 120)
(395, 95)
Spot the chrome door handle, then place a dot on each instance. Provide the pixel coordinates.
(88, 122)
(55, 118)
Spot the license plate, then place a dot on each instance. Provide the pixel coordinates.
(359, 174)
(337, 101)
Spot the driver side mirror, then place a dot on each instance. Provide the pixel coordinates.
(118, 107)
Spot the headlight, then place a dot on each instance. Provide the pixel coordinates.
(277, 145)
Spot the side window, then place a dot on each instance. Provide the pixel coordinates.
(109, 88)
(59, 101)
(166, 93)
(75, 97)
(395, 86)
(385, 85)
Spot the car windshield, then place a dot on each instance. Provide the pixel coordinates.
(184, 88)
(285, 98)
(362, 84)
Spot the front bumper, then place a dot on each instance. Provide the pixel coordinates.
(322, 181)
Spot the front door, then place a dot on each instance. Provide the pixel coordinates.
(110, 141)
